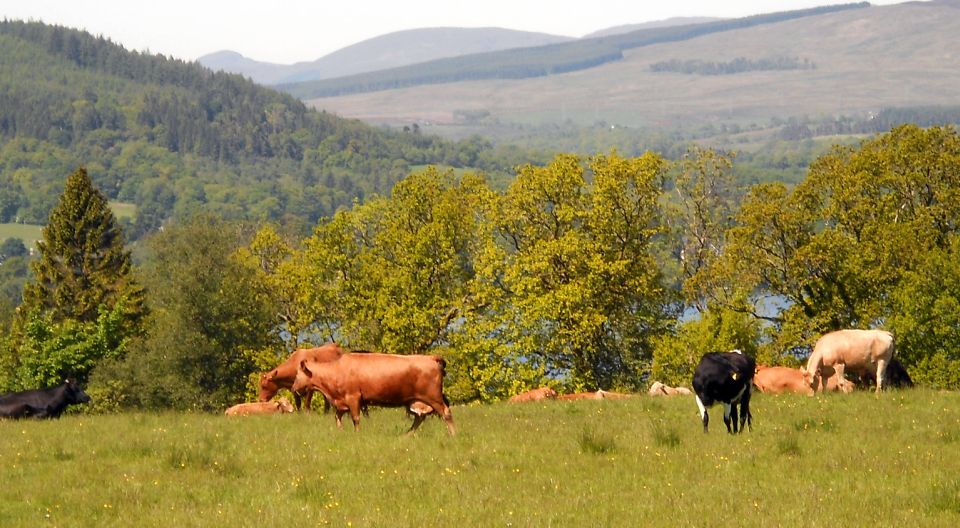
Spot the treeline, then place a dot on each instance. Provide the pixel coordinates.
(576, 275)
(801, 128)
(737, 65)
(174, 137)
(535, 62)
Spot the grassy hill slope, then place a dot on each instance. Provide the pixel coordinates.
(864, 60)
(385, 51)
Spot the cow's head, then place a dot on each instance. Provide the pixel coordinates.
(284, 405)
(268, 387)
(302, 381)
(75, 394)
(807, 376)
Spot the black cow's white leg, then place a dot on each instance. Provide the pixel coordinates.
(703, 413)
(726, 416)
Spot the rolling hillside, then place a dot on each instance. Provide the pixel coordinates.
(386, 51)
(174, 138)
(863, 60)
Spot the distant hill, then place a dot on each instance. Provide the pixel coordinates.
(175, 138)
(862, 61)
(669, 22)
(524, 63)
(386, 51)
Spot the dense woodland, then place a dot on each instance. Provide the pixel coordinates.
(173, 137)
(738, 65)
(262, 226)
(523, 63)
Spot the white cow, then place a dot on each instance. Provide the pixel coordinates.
(854, 350)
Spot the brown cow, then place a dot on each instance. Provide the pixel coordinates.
(543, 393)
(777, 380)
(387, 380)
(283, 376)
(662, 389)
(580, 396)
(274, 407)
(853, 350)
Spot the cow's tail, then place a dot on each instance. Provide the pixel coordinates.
(443, 365)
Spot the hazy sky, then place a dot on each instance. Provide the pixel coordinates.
(287, 31)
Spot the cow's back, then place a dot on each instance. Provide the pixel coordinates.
(856, 349)
(721, 376)
(390, 379)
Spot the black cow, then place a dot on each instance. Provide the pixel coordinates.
(896, 375)
(725, 377)
(41, 403)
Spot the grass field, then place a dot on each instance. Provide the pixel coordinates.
(853, 460)
(29, 233)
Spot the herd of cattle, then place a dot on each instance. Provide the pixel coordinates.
(349, 382)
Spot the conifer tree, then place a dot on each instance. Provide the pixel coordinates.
(83, 264)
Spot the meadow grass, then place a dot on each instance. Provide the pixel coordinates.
(29, 233)
(856, 460)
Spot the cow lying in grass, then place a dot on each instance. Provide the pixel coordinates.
(725, 377)
(661, 389)
(540, 394)
(272, 407)
(386, 380)
(42, 403)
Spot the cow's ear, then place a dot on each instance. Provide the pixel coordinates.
(303, 367)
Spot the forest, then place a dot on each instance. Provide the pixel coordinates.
(173, 137)
(584, 273)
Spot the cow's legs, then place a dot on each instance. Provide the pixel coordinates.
(881, 372)
(726, 416)
(307, 400)
(838, 372)
(745, 415)
(417, 420)
(354, 405)
(703, 413)
(296, 400)
(340, 413)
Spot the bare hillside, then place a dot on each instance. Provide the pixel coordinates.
(863, 60)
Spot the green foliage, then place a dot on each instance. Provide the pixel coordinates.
(208, 315)
(174, 138)
(51, 351)
(856, 236)
(83, 263)
(738, 65)
(716, 330)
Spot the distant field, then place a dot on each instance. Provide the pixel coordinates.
(856, 460)
(124, 210)
(29, 233)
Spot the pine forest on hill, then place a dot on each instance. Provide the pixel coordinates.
(173, 137)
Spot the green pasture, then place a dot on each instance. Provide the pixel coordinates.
(29, 233)
(856, 460)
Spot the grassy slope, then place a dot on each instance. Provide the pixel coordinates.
(831, 461)
(866, 59)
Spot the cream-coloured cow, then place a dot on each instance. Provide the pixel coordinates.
(662, 389)
(850, 350)
(279, 406)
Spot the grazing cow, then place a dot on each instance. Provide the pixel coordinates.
(662, 389)
(42, 403)
(272, 407)
(387, 380)
(283, 376)
(777, 380)
(725, 377)
(543, 393)
(855, 350)
(607, 395)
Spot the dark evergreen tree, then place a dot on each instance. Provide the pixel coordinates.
(83, 264)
